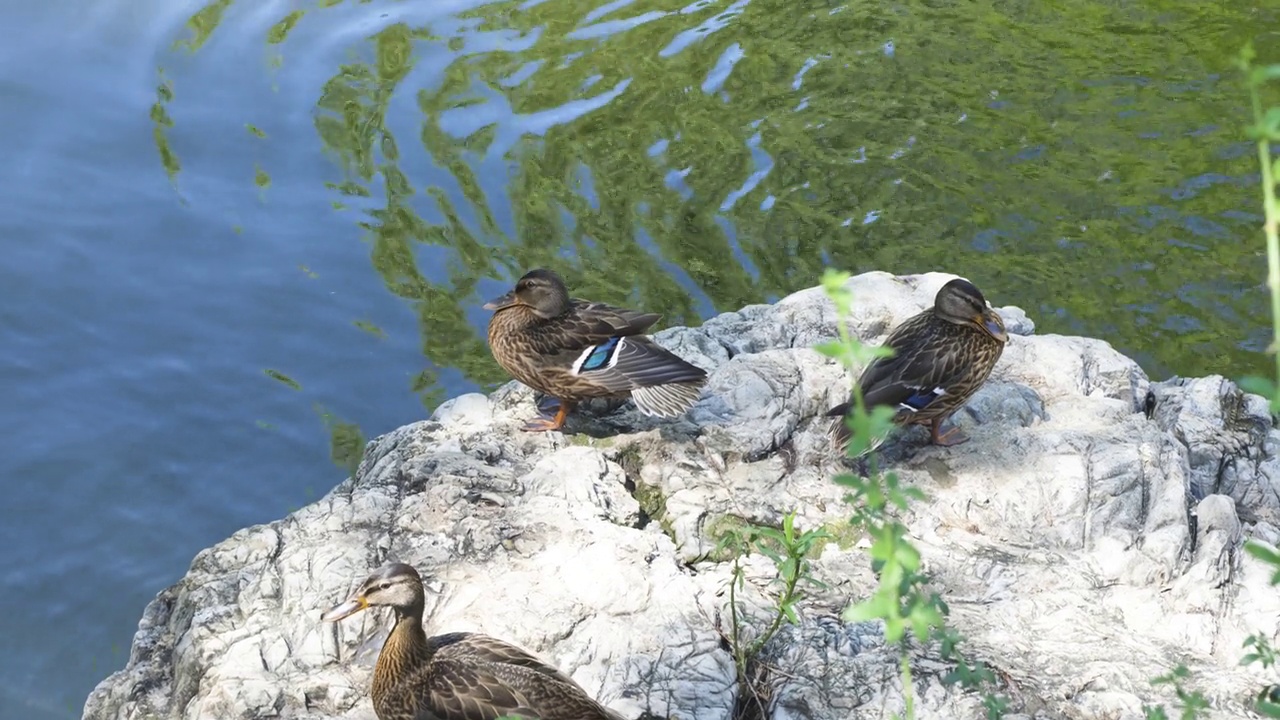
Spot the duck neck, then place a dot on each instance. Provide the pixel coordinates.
(405, 648)
(516, 317)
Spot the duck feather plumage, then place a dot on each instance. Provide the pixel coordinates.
(574, 350)
(941, 357)
(457, 676)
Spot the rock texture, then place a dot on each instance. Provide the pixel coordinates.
(1087, 539)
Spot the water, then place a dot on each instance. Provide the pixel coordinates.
(241, 236)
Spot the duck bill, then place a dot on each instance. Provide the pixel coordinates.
(345, 610)
(991, 323)
(501, 302)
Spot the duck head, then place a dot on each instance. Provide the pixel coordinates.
(541, 290)
(962, 303)
(396, 585)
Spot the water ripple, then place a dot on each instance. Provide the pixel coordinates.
(702, 31)
(724, 65)
(613, 27)
(763, 163)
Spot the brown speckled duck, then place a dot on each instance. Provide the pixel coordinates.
(941, 357)
(458, 676)
(572, 350)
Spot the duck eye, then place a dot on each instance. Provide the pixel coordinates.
(384, 586)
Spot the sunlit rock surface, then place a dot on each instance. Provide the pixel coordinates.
(1088, 538)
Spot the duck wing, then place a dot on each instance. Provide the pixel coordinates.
(926, 367)
(915, 372)
(475, 677)
(451, 689)
(474, 647)
(604, 345)
(586, 324)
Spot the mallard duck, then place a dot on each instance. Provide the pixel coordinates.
(572, 350)
(457, 676)
(941, 357)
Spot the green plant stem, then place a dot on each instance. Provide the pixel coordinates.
(907, 693)
(740, 658)
(788, 597)
(860, 405)
(1271, 225)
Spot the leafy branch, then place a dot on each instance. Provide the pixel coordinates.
(1266, 130)
(789, 550)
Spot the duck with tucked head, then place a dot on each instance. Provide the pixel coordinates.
(458, 676)
(941, 357)
(572, 350)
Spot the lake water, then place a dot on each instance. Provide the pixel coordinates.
(240, 236)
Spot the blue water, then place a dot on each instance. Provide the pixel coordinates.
(136, 324)
(141, 307)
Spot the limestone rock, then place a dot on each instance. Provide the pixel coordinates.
(1087, 539)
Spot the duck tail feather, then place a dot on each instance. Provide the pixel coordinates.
(670, 400)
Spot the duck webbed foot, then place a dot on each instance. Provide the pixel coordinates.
(954, 436)
(546, 423)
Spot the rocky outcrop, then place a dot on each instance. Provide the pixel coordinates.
(1087, 539)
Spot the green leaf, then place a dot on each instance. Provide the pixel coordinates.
(894, 629)
(876, 607)
(923, 618)
(901, 497)
(1268, 128)
(790, 612)
(891, 576)
(834, 280)
(848, 480)
(832, 348)
(769, 553)
(789, 526)
(833, 283)
(1172, 677)
(1267, 554)
(908, 556)
(1267, 709)
(817, 583)
(882, 548)
(996, 706)
(770, 534)
(1262, 386)
(1266, 387)
(1261, 74)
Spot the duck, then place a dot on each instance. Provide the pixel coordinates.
(572, 350)
(460, 675)
(941, 357)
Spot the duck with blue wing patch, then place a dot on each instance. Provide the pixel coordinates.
(941, 357)
(574, 350)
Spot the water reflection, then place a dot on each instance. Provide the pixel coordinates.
(693, 157)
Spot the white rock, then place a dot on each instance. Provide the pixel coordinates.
(1061, 536)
